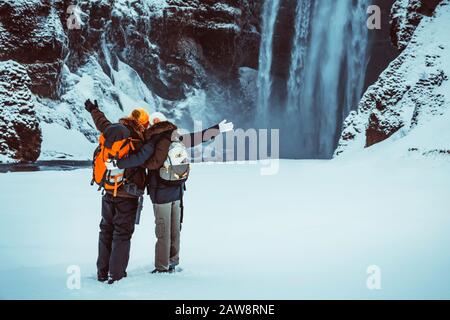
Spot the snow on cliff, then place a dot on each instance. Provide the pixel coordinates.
(406, 16)
(20, 135)
(181, 57)
(410, 103)
(117, 95)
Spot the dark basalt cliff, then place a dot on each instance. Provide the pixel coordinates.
(174, 47)
(20, 136)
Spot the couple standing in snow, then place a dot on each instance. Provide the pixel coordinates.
(152, 137)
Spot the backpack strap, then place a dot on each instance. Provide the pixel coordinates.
(132, 143)
(116, 183)
(102, 183)
(182, 188)
(129, 141)
(156, 187)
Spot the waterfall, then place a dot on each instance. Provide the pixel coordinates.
(264, 82)
(327, 72)
(357, 57)
(298, 55)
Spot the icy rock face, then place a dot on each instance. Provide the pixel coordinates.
(31, 33)
(410, 91)
(182, 57)
(187, 53)
(171, 44)
(20, 135)
(406, 16)
(231, 24)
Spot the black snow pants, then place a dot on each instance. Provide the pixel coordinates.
(116, 229)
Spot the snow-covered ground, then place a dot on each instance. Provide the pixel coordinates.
(310, 231)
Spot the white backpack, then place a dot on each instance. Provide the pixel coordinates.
(176, 168)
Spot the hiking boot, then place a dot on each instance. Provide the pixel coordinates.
(156, 271)
(113, 279)
(102, 277)
(172, 269)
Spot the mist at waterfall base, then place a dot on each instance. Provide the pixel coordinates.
(324, 78)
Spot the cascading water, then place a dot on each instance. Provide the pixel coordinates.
(269, 16)
(298, 55)
(326, 74)
(333, 72)
(357, 57)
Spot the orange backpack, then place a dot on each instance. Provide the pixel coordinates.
(110, 180)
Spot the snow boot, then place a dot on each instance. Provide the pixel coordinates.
(112, 279)
(102, 278)
(156, 271)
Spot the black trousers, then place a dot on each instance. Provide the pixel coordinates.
(116, 229)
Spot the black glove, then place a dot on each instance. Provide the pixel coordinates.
(89, 106)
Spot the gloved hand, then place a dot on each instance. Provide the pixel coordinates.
(111, 165)
(89, 106)
(225, 126)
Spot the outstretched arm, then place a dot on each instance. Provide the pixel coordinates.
(139, 158)
(100, 120)
(194, 139)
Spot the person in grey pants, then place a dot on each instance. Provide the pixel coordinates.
(168, 226)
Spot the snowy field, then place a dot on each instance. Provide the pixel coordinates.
(310, 231)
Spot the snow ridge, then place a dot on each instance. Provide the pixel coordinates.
(410, 93)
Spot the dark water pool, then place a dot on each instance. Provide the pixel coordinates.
(54, 165)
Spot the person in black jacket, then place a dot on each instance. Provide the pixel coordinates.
(119, 212)
(167, 200)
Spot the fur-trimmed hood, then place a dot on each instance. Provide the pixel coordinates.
(160, 128)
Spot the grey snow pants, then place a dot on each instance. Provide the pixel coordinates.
(168, 227)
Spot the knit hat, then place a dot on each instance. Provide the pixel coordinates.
(157, 117)
(142, 116)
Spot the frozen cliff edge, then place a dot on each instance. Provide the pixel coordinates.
(409, 104)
